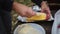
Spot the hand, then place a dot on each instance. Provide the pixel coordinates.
(26, 12)
(45, 9)
(23, 10)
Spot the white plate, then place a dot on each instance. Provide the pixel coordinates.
(35, 26)
(55, 29)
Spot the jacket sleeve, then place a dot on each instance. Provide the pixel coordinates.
(7, 5)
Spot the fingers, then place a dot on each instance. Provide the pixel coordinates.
(47, 11)
(30, 13)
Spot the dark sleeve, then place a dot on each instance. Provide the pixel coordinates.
(37, 2)
(7, 5)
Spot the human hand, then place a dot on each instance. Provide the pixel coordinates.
(23, 10)
(26, 12)
(45, 9)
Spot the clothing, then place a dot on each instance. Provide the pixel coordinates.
(5, 18)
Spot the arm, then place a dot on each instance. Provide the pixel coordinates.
(23, 10)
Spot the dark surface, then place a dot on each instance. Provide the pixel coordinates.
(53, 1)
(56, 5)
